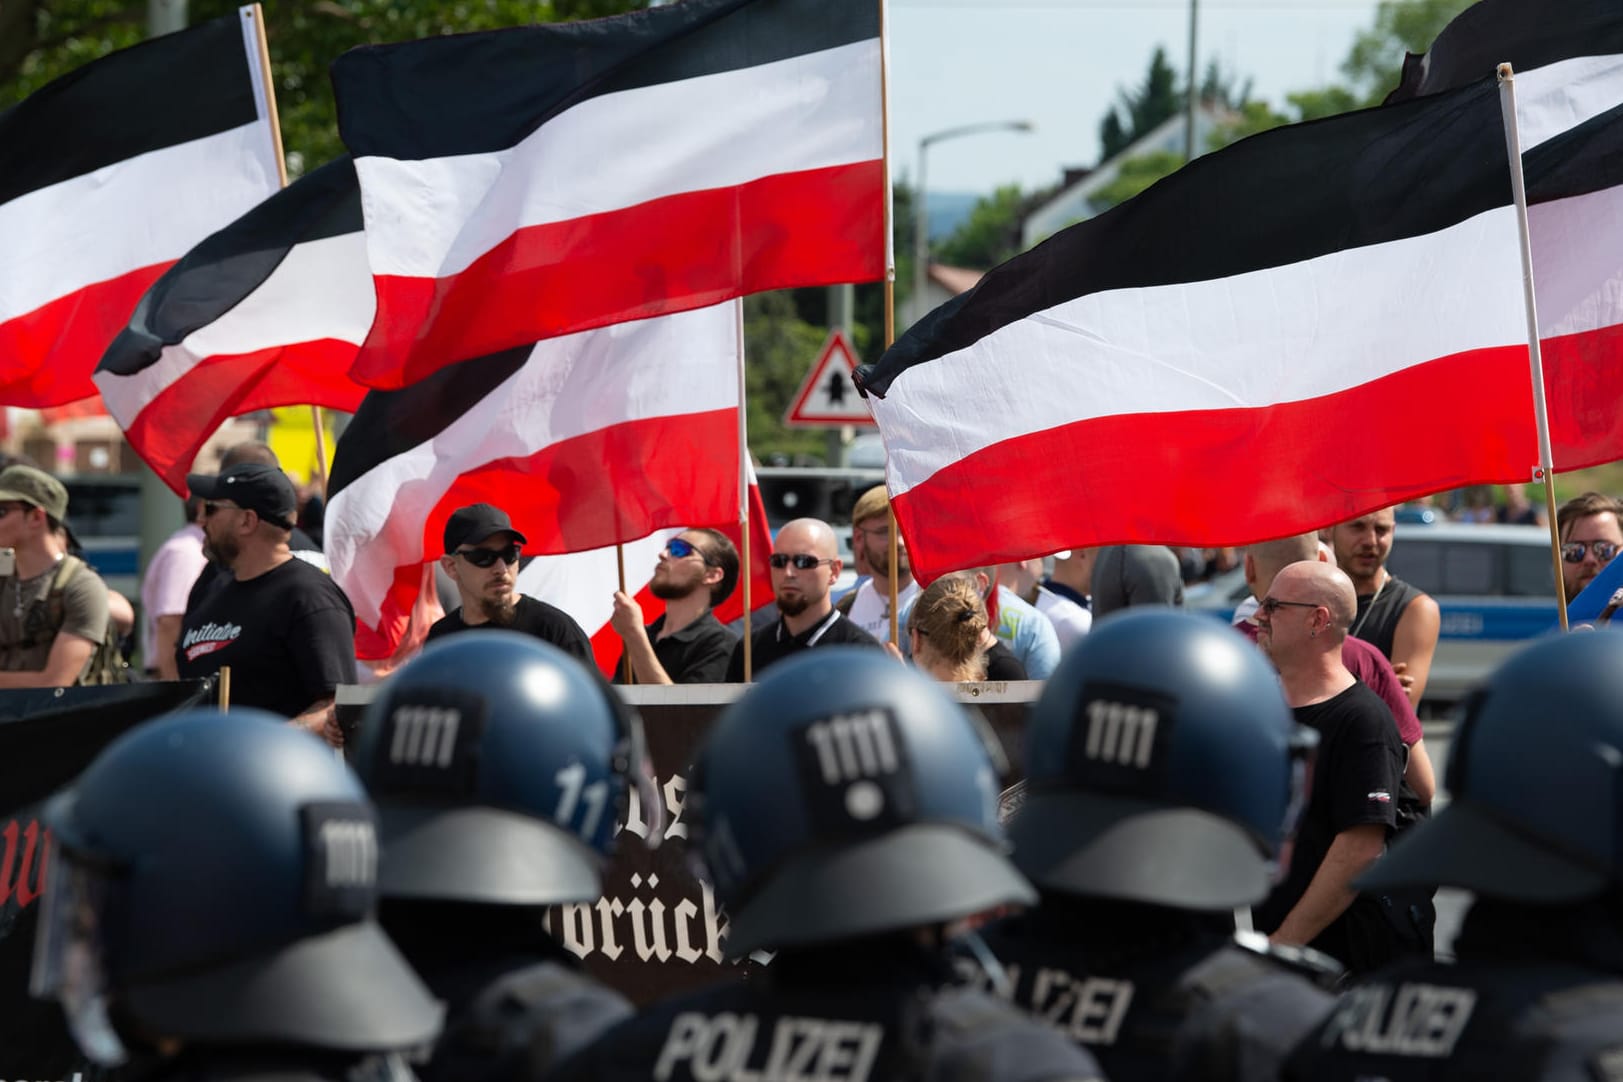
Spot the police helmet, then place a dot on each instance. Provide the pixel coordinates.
(1535, 781)
(1162, 766)
(212, 878)
(845, 795)
(500, 767)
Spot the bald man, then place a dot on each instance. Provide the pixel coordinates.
(805, 564)
(1352, 808)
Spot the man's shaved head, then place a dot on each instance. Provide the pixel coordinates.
(1320, 584)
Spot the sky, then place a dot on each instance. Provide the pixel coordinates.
(1060, 63)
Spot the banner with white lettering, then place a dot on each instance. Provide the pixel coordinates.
(47, 736)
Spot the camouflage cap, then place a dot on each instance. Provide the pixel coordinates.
(36, 488)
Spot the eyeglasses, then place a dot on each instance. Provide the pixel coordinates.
(1573, 551)
(805, 561)
(487, 557)
(678, 549)
(210, 507)
(1271, 605)
(874, 531)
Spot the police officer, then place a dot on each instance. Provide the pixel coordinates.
(1163, 772)
(845, 810)
(209, 904)
(499, 765)
(1535, 830)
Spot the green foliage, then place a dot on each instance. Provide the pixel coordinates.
(991, 233)
(1401, 26)
(1140, 110)
(1137, 173)
(779, 348)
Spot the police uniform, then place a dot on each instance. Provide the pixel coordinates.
(498, 763)
(1533, 830)
(1163, 772)
(845, 811)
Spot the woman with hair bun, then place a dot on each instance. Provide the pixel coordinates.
(947, 626)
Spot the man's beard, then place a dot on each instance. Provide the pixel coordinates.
(223, 552)
(500, 611)
(793, 606)
(667, 588)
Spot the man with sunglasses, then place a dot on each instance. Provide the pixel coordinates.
(805, 564)
(481, 556)
(1352, 809)
(280, 623)
(686, 644)
(1591, 530)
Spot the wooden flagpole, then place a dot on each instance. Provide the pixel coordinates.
(744, 493)
(890, 287)
(1546, 467)
(620, 566)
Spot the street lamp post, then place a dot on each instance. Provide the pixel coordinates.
(921, 218)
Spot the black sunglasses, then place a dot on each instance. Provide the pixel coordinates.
(1573, 551)
(487, 557)
(1271, 605)
(210, 507)
(805, 561)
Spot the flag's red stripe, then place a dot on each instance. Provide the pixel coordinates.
(819, 227)
(68, 337)
(1231, 477)
(173, 427)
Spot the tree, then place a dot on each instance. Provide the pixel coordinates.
(1401, 26)
(1139, 111)
(992, 232)
(1136, 174)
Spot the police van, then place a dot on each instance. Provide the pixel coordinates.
(1494, 585)
(104, 513)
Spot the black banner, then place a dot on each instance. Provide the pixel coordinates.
(47, 736)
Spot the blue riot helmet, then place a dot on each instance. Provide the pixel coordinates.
(211, 878)
(845, 795)
(1163, 766)
(1535, 781)
(500, 766)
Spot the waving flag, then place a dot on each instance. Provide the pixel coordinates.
(1314, 322)
(538, 181)
(267, 312)
(107, 176)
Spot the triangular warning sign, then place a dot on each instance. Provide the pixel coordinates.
(828, 397)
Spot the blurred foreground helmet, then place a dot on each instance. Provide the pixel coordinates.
(1162, 766)
(845, 795)
(1535, 781)
(500, 766)
(212, 878)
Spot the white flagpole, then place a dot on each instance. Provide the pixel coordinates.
(744, 490)
(1545, 469)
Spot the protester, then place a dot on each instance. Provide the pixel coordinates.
(868, 605)
(1359, 765)
(1591, 531)
(54, 624)
(169, 578)
(686, 644)
(483, 828)
(844, 810)
(481, 556)
(805, 563)
(1162, 772)
(1071, 621)
(282, 625)
(1532, 832)
(1072, 576)
(1127, 575)
(947, 630)
(1401, 621)
(1018, 625)
(208, 911)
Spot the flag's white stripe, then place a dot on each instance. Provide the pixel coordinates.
(583, 583)
(1278, 335)
(433, 218)
(1578, 262)
(322, 289)
(1563, 95)
(572, 385)
(136, 213)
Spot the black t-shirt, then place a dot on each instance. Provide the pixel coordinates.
(697, 654)
(774, 643)
(1379, 613)
(1356, 775)
(546, 622)
(288, 636)
(1001, 664)
(214, 575)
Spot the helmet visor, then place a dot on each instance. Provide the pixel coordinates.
(70, 950)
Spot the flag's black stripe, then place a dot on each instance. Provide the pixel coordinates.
(390, 423)
(1528, 33)
(163, 92)
(1277, 198)
(478, 93)
(230, 265)
(1584, 159)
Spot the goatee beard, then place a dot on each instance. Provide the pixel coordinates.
(793, 606)
(500, 613)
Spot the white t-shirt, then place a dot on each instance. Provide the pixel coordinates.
(1071, 621)
(871, 609)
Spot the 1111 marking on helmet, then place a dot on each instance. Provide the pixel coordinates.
(424, 735)
(1121, 733)
(350, 847)
(851, 749)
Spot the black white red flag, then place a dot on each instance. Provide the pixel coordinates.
(1314, 322)
(267, 312)
(110, 174)
(585, 440)
(526, 183)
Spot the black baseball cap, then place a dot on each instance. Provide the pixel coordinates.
(475, 523)
(254, 486)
